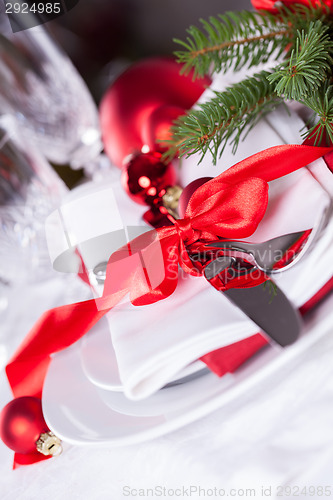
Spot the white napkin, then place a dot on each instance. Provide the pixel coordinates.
(155, 342)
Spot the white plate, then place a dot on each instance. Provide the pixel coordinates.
(99, 360)
(173, 398)
(74, 410)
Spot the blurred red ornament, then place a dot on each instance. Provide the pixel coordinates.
(22, 423)
(157, 126)
(146, 177)
(142, 103)
(270, 5)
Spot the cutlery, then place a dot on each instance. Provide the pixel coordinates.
(274, 314)
(265, 255)
(272, 256)
(187, 378)
(99, 272)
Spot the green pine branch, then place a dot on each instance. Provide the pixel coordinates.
(308, 66)
(234, 39)
(272, 288)
(225, 118)
(321, 130)
(304, 36)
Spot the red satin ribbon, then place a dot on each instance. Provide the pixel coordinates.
(229, 206)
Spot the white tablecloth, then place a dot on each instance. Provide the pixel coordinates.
(278, 434)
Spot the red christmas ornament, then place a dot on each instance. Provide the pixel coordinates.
(156, 128)
(145, 178)
(142, 103)
(24, 430)
(21, 424)
(270, 5)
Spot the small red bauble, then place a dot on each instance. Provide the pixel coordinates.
(22, 423)
(145, 178)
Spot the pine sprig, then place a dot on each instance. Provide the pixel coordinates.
(272, 288)
(321, 103)
(225, 118)
(238, 38)
(308, 66)
(231, 40)
(303, 36)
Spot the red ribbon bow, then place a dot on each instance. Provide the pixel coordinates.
(229, 206)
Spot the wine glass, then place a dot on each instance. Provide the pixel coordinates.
(29, 191)
(42, 88)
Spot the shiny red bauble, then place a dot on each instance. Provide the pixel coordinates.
(156, 127)
(145, 178)
(21, 424)
(139, 107)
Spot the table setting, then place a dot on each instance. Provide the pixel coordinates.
(155, 348)
(177, 302)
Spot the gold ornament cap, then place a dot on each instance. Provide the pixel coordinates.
(49, 444)
(171, 198)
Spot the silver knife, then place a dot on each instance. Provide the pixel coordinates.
(273, 313)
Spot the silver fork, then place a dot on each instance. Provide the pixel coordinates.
(266, 255)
